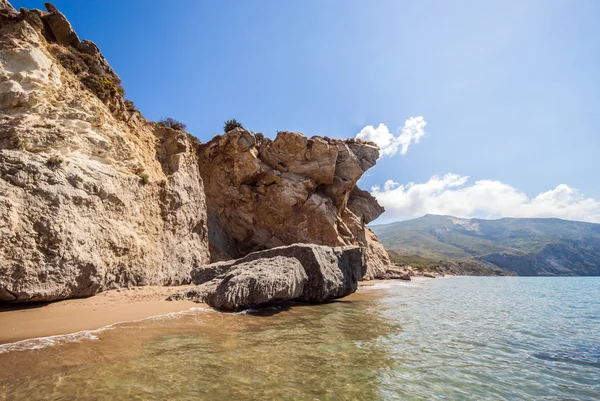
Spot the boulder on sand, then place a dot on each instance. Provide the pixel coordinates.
(332, 272)
(251, 284)
(396, 274)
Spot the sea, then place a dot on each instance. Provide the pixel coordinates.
(459, 338)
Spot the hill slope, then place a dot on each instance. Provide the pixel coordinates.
(527, 247)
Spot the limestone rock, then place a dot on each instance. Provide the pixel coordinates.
(264, 193)
(88, 201)
(364, 205)
(60, 26)
(396, 274)
(204, 273)
(253, 283)
(378, 259)
(332, 272)
(6, 8)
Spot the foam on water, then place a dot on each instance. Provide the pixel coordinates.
(391, 284)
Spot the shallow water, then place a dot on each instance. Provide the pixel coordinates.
(459, 338)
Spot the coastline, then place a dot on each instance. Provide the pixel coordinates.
(28, 321)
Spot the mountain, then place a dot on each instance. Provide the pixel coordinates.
(527, 247)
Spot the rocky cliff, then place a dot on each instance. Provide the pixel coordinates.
(92, 196)
(264, 193)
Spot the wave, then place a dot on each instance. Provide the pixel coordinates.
(390, 284)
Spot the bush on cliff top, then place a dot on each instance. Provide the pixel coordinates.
(231, 124)
(172, 123)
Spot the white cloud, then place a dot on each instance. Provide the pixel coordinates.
(450, 195)
(390, 145)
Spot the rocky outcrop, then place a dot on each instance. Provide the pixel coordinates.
(332, 272)
(90, 197)
(93, 196)
(397, 274)
(252, 284)
(264, 193)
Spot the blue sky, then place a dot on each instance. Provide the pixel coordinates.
(509, 91)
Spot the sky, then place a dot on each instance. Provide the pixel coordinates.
(482, 109)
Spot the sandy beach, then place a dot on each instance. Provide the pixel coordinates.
(22, 322)
(26, 321)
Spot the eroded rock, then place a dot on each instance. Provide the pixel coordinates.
(264, 193)
(253, 283)
(332, 272)
(396, 274)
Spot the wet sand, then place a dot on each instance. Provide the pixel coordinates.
(64, 317)
(115, 306)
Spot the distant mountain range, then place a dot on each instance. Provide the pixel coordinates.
(526, 247)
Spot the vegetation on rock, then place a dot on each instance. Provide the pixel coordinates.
(231, 124)
(172, 123)
(145, 178)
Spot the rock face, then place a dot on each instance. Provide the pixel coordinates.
(92, 196)
(264, 193)
(252, 284)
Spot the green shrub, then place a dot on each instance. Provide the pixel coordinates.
(103, 87)
(231, 124)
(172, 123)
(145, 178)
(130, 106)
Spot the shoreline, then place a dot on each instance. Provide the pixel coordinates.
(29, 321)
(23, 322)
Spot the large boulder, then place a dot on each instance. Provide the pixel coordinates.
(254, 283)
(205, 273)
(396, 274)
(264, 193)
(332, 272)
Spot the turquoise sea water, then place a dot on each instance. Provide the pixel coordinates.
(497, 338)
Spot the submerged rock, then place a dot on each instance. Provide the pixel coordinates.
(253, 283)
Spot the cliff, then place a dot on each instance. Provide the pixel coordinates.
(264, 193)
(92, 196)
